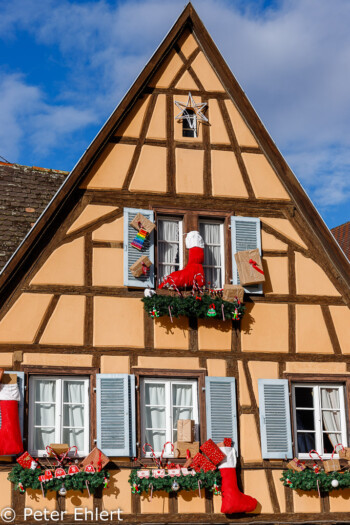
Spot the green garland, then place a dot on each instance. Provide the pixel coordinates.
(208, 479)
(29, 480)
(307, 480)
(191, 306)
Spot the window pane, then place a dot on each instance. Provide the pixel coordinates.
(211, 234)
(330, 398)
(44, 415)
(43, 437)
(331, 420)
(156, 439)
(182, 395)
(155, 417)
(181, 413)
(74, 437)
(155, 394)
(304, 397)
(329, 442)
(305, 420)
(73, 391)
(73, 415)
(306, 442)
(168, 230)
(45, 390)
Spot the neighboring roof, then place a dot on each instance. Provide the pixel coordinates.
(342, 234)
(24, 193)
(69, 194)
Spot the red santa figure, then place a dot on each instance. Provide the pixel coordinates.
(193, 271)
(10, 432)
(233, 500)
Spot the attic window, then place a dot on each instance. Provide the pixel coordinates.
(189, 123)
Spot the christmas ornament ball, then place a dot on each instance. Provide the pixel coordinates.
(62, 491)
(175, 486)
(335, 483)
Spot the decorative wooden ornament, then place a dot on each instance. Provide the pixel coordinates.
(249, 267)
(195, 114)
(73, 469)
(90, 469)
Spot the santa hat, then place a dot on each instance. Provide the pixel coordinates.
(194, 239)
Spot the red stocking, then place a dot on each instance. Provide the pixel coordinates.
(233, 500)
(10, 432)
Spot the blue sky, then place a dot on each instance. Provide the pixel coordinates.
(66, 65)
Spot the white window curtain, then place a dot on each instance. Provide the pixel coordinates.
(169, 252)
(213, 259)
(331, 414)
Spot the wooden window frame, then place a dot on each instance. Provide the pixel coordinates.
(199, 375)
(89, 372)
(190, 222)
(319, 379)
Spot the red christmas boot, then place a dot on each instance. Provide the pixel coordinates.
(233, 500)
(193, 270)
(10, 432)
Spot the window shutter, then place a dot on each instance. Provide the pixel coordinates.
(20, 382)
(132, 254)
(221, 409)
(245, 235)
(275, 429)
(115, 407)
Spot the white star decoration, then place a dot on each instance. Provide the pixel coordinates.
(192, 118)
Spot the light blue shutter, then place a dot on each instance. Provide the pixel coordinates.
(245, 235)
(20, 382)
(132, 254)
(221, 409)
(275, 428)
(115, 408)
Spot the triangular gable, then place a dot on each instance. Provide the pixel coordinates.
(196, 62)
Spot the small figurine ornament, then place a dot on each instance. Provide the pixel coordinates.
(73, 469)
(60, 473)
(211, 312)
(154, 313)
(135, 489)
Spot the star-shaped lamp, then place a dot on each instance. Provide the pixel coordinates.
(192, 112)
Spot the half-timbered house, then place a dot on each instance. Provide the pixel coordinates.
(93, 366)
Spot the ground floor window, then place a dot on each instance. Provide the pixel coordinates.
(319, 418)
(58, 413)
(163, 403)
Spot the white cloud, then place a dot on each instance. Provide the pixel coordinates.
(27, 119)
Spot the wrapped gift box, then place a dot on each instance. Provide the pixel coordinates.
(233, 291)
(137, 268)
(200, 462)
(96, 458)
(248, 272)
(331, 465)
(140, 221)
(296, 464)
(185, 430)
(212, 451)
(181, 447)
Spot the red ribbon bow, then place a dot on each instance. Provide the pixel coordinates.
(255, 266)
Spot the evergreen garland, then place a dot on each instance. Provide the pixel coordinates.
(30, 480)
(307, 480)
(208, 479)
(192, 306)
